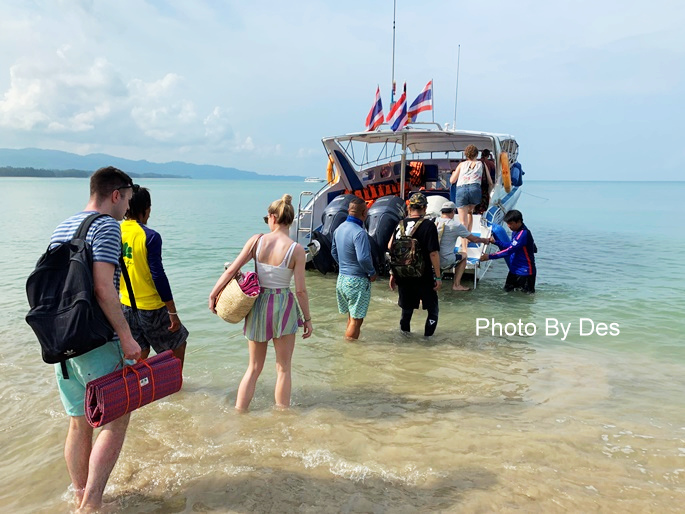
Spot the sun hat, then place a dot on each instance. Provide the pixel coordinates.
(448, 206)
(418, 200)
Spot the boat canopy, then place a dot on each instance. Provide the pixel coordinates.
(419, 140)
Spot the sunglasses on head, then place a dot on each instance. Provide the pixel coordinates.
(134, 187)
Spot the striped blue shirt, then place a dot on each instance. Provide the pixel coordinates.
(104, 238)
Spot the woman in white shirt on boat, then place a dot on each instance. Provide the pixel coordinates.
(468, 175)
(275, 315)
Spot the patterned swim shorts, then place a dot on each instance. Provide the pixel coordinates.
(151, 329)
(354, 295)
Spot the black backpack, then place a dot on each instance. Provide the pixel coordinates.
(64, 314)
(406, 258)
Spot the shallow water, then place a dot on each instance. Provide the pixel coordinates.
(458, 423)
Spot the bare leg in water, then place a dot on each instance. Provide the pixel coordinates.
(254, 368)
(100, 462)
(284, 346)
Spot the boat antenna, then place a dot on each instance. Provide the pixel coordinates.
(392, 94)
(456, 93)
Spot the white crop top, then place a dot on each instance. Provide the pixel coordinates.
(275, 277)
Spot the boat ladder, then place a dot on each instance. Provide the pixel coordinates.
(305, 219)
(475, 250)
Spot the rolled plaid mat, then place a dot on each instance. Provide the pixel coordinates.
(115, 394)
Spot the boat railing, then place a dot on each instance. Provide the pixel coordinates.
(300, 227)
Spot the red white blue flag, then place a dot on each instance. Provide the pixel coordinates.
(423, 102)
(397, 117)
(375, 117)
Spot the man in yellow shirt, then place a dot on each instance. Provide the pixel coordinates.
(156, 323)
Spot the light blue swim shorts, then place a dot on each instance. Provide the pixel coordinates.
(354, 295)
(83, 369)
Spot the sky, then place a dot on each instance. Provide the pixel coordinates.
(592, 90)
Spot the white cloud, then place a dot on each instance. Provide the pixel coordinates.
(217, 127)
(246, 84)
(247, 145)
(307, 152)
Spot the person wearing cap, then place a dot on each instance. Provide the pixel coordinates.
(449, 230)
(421, 290)
(352, 252)
(486, 183)
(489, 162)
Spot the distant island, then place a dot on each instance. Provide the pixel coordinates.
(36, 162)
(8, 171)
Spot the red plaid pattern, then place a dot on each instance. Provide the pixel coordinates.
(115, 394)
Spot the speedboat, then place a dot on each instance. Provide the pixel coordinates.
(384, 168)
(314, 179)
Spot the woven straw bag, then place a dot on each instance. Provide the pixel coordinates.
(234, 304)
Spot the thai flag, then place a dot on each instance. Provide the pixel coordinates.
(423, 102)
(397, 117)
(375, 117)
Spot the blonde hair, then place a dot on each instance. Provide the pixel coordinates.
(283, 210)
(471, 152)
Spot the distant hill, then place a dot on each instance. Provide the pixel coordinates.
(55, 160)
(8, 171)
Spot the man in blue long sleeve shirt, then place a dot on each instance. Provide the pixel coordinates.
(352, 252)
(519, 255)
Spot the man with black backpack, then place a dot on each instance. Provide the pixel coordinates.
(415, 265)
(91, 462)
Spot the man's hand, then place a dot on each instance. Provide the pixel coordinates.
(175, 323)
(373, 278)
(484, 257)
(392, 283)
(438, 285)
(131, 348)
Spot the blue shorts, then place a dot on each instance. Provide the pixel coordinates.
(83, 369)
(469, 194)
(354, 295)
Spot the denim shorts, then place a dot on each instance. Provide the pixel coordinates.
(469, 194)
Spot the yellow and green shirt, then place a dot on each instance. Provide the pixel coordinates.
(142, 248)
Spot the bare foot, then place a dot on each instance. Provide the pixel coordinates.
(104, 508)
(460, 288)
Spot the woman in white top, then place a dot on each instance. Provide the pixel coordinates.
(468, 175)
(276, 314)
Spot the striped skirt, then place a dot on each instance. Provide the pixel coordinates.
(274, 314)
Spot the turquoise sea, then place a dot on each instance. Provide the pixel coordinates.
(467, 421)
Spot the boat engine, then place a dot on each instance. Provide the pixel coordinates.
(333, 215)
(384, 216)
